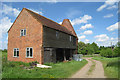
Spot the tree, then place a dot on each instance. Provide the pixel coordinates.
(106, 52)
(89, 49)
(95, 47)
(118, 44)
(116, 51)
(81, 47)
(5, 50)
(101, 47)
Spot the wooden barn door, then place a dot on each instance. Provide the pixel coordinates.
(47, 55)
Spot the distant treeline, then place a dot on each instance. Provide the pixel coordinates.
(5, 50)
(89, 49)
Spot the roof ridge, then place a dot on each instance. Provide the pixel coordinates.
(32, 13)
(43, 16)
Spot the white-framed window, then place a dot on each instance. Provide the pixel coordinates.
(57, 34)
(70, 38)
(23, 32)
(29, 52)
(16, 52)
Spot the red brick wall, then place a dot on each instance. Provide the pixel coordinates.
(33, 38)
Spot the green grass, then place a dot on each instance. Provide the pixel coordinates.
(58, 70)
(93, 55)
(110, 66)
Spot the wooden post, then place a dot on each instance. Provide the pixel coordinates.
(70, 55)
(64, 56)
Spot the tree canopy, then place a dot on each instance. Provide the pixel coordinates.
(89, 49)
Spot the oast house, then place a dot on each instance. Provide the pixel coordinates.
(33, 37)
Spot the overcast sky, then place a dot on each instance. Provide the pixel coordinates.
(92, 21)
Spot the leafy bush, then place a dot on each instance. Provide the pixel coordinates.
(88, 48)
(106, 52)
(117, 51)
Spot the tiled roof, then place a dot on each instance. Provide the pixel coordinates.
(66, 23)
(49, 23)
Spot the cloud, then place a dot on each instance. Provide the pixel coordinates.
(3, 45)
(113, 27)
(0, 44)
(86, 26)
(113, 39)
(60, 22)
(112, 7)
(7, 38)
(101, 38)
(108, 16)
(73, 12)
(86, 41)
(101, 7)
(114, 33)
(5, 24)
(8, 10)
(88, 32)
(81, 37)
(80, 20)
(39, 12)
(51, 1)
(108, 3)
(0, 33)
(108, 42)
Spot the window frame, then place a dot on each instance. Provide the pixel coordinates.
(17, 49)
(57, 34)
(24, 34)
(29, 52)
(74, 41)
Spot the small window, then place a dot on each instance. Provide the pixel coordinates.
(16, 52)
(57, 34)
(29, 52)
(74, 41)
(23, 32)
(70, 38)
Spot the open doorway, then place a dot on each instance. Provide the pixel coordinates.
(59, 55)
(63, 54)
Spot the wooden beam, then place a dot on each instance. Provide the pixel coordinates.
(64, 55)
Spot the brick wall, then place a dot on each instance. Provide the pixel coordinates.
(33, 38)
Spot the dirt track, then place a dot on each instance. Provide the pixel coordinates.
(97, 72)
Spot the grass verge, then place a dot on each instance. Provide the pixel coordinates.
(111, 66)
(58, 70)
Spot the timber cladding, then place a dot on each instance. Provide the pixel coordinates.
(50, 39)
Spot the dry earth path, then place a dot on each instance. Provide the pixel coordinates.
(96, 72)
